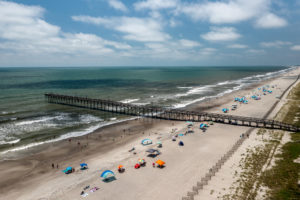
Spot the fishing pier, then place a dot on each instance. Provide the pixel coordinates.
(165, 113)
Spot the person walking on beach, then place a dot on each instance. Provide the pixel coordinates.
(56, 166)
(153, 164)
(52, 165)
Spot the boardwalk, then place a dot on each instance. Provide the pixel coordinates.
(168, 114)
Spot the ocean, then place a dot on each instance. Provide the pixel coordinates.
(26, 119)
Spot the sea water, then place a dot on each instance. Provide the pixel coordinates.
(27, 120)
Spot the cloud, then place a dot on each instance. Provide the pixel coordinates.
(23, 30)
(189, 43)
(295, 48)
(133, 28)
(231, 11)
(270, 20)
(237, 46)
(118, 5)
(256, 51)
(276, 44)
(156, 4)
(221, 34)
(207, 51)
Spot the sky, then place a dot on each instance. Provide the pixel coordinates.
(40, 33)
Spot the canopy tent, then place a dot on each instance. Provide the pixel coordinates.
(107, 174)
(146, 142)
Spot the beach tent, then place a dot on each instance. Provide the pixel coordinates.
(83, 166)
(180, 143)
(107, 173)
(160, 163)
(68, 170)
(146, 142)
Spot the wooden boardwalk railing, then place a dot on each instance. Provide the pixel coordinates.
(163, 113)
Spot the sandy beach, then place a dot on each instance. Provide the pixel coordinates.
(30, 176)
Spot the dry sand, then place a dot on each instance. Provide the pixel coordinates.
(32, 177)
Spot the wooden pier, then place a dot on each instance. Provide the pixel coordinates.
(164, 113)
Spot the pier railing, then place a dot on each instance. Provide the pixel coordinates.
(164, 113)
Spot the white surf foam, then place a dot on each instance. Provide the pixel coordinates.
(196, 90)
(67, 135)
(129, 100)
(10, 142)
(241, 83)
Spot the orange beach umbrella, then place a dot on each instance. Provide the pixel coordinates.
(120, 166)
(160, 162)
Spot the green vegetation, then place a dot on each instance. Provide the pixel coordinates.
(281, 180)
(283, 177)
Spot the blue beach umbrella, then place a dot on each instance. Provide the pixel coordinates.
(69, 168)
(107, 173)
(83, 165)
(202, 125)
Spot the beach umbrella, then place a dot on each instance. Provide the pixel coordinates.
(136, 166)
(180, 134)
(83, 165)
(160, 162)
(69, 168)
(158, 142)
(224, 110)
(141, 161)
(202, 125)
(107, 173)
(120, 166)
(146, 142)
(151, 150)
(180, 143)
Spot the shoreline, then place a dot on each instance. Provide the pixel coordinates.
(108, 140)
(204, 105)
